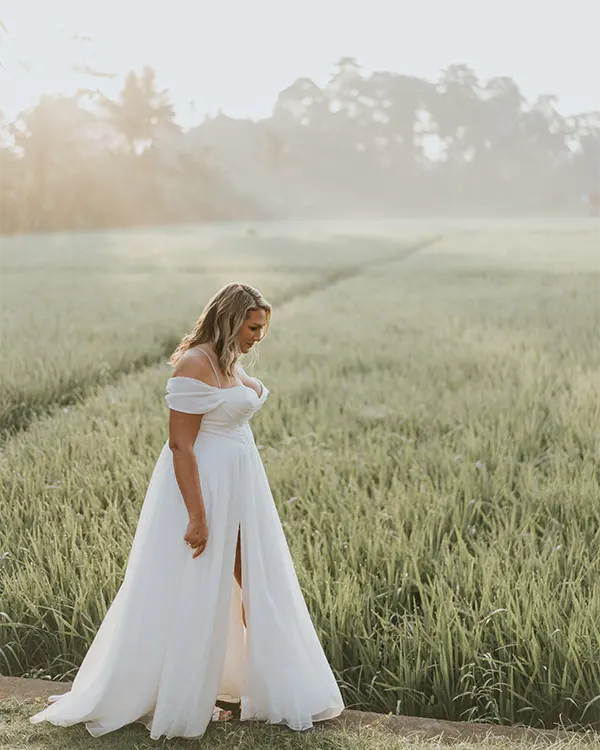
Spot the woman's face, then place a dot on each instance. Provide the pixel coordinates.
(252, 329)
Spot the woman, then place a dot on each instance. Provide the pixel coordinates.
(210, 607)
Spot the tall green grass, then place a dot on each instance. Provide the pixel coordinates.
(431, 440)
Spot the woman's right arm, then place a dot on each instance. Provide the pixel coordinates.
(183, 431)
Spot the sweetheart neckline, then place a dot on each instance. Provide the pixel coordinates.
(216, 387)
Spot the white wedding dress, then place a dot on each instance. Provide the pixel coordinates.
(173, 641)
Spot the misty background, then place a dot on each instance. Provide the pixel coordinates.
(131, 116)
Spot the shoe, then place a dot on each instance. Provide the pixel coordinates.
(221, 714)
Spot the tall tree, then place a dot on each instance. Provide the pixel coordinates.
(51, 141)
(142, 112)
(456, 111)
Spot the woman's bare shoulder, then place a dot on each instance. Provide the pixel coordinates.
(194, 364)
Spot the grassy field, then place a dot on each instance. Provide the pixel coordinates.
(431, 438)
(77, 310)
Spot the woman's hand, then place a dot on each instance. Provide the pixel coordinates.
(196, 535)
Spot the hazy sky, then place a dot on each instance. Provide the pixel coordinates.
(238, 54)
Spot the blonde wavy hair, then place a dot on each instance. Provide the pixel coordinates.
(220, 323)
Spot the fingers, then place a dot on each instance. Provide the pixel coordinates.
(197, 547)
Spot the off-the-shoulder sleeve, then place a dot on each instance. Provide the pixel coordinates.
(192, 396)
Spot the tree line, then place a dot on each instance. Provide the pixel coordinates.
(376, 145)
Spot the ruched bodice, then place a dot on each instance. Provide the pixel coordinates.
(227, 411)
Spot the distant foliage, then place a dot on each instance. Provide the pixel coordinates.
(384, 144)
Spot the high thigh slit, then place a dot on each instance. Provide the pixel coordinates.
(238, 555)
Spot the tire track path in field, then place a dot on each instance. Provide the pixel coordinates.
(20, 408)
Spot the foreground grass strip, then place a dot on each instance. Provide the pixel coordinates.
(16, 733)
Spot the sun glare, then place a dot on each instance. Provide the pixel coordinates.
(55, 49)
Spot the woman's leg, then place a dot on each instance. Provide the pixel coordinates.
(237, 570)
(225, 715)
